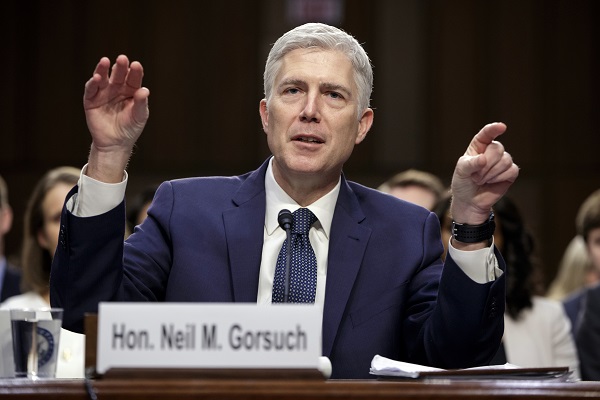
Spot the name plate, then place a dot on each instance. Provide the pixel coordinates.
(208, 335)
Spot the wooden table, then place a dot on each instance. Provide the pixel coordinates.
(286, 389)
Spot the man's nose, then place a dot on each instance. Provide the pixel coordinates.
(311, 111)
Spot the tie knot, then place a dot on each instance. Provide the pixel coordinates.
(303, 219)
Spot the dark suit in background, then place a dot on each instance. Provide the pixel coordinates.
(584, 311)
(573, 306)
(11, 285)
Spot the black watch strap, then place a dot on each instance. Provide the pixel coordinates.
(474, 233)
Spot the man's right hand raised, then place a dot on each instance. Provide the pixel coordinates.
(116, 111)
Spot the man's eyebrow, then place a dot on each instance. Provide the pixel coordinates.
(334, 87)
(292, 81)
(325, 86)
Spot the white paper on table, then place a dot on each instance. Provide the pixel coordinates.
(385, 367)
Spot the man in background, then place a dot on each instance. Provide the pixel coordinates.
(583, 307)
(419, 187)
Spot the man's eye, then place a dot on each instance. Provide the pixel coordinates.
(335, 95)
(292, 91)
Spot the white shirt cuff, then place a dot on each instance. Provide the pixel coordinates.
(471, 261)
(95, 197)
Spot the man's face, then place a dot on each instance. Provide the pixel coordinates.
(311, 120)
(593, 246)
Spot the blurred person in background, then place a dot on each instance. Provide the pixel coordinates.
(575, 271)
(583, 307)
(10, 275)
(40, 239)
(419, 187)
(137, 209)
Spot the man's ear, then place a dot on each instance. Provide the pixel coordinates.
(364, 125)
(264, 114)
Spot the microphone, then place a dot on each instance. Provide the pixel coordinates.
(285, 219)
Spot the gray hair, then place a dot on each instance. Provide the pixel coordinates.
(317, 35)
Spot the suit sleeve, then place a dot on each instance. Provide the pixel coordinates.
(93, 264)
(466, 326)
(87, 265)
(470, 315)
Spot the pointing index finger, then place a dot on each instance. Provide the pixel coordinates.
(484, 137)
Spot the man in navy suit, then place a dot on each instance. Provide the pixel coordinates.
(380, 281)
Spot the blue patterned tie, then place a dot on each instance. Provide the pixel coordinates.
(303, 265)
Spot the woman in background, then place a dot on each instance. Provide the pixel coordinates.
(40, 238)
(575, 271)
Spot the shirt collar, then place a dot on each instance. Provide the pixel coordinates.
(278, 199)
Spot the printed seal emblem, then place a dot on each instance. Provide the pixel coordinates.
(46, 346)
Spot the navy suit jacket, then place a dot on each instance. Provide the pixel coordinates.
(573, 306)
(202, 242)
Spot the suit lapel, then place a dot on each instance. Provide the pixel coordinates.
(347, 245)
(244, 230)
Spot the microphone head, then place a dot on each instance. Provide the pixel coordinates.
(285, 219)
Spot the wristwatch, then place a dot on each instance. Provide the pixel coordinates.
(474, 233)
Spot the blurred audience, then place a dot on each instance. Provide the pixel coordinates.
(419, 187)
(10, 275)
(40, 238)
(137, 210)
(583, 307)
(537, 332)
(575, 271)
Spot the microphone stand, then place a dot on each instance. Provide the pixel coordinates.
(288, 260)
(285, 219)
